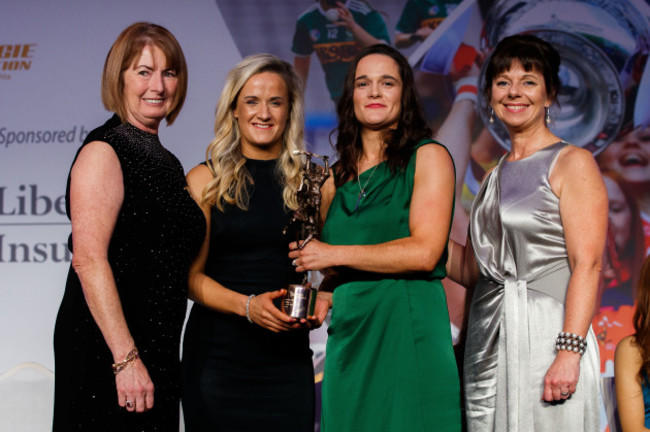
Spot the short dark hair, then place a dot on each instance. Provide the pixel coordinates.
(411, 126)
(533, 53)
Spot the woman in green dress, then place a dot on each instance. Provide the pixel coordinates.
(390, 364)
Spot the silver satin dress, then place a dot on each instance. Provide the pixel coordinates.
(517, 308)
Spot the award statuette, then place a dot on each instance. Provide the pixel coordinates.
(300, 299)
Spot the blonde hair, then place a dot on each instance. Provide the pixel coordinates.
(224, 156)
(126, 49)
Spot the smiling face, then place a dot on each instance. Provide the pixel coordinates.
(620, 214)
(629, 155)
(149, 89)
(519, 98)
(377, 92)
(262, 111)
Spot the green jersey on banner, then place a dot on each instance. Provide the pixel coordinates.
(424, 13)
(334, 44)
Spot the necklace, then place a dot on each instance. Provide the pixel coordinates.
(362, 189)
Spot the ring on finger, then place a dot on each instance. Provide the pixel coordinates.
(129, 404)
(294, 262)
(564, 394)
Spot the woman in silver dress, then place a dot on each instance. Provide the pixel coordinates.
(537, 233)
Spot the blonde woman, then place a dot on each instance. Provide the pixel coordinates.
(246, 364)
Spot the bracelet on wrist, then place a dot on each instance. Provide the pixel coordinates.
(130, 357)
(248, 308)
(570, 342)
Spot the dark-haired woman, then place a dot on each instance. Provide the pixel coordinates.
(537, 231)
(632, 364)
(390, 364)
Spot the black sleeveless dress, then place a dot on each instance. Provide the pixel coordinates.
(158, 233)
(238, 376)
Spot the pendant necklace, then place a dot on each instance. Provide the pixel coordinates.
(362, 189)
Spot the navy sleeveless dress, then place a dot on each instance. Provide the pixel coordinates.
(238, 376)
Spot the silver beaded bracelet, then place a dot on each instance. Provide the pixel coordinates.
(570, 342)
(248, 308)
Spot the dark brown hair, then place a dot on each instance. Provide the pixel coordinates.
(533, 53)
(411, 126)
(642, 317)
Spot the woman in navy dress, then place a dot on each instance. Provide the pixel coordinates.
(247, 365)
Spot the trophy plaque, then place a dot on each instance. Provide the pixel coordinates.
(300, 299)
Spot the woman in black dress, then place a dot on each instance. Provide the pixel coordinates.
(135, 232)
(247, 365)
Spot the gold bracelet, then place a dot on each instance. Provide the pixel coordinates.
(131, 356)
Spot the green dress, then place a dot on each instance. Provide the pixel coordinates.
(390, 364)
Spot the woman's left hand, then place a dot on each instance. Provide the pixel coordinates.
(135, 390)
(315, 255)
(562, 377)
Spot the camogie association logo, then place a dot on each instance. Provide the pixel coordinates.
(15, 57)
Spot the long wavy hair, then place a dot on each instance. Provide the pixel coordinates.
(411, 126)
(224, 156)
(642, 316)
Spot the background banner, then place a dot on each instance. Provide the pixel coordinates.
(52, 54)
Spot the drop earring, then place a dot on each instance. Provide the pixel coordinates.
(491, 120)
(548, 116)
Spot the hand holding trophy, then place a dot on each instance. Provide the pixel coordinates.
(300, 298)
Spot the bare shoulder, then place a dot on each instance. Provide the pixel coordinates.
(97, 152)
(96, 160)
(576, 169)
(573, 158)
(433, 150)
(199, 174)
(197, 179)
(433, 155)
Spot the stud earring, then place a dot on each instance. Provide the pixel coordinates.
(491, 120)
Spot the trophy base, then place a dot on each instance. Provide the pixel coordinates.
(299, 301)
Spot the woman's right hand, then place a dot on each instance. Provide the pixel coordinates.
(315, 255)
(135, 388)
(263, 312)
(321, 308)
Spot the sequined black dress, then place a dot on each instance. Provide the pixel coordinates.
(238, 376)
(158, 233)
